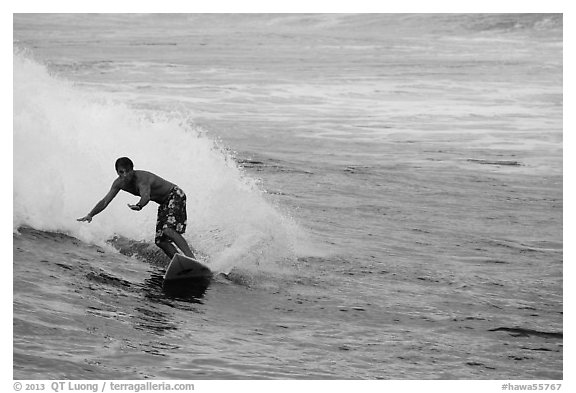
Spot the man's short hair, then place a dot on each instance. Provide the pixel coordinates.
(124, 162)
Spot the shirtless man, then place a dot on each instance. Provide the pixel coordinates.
(171, 223)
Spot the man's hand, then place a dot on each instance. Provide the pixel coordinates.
(86, 218)
(135, 207)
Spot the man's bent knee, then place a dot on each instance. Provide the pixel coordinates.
(170, 233)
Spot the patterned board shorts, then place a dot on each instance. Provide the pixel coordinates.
(171, 214)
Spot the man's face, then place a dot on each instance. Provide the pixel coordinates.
(125, 173)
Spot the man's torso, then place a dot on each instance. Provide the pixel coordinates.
(159, 188)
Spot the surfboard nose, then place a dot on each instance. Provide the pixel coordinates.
(182, 267)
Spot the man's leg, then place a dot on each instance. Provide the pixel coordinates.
(179, 241)
(167, 247)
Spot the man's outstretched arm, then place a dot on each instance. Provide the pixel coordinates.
(102, 204)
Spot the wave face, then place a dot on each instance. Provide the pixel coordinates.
(66, 141)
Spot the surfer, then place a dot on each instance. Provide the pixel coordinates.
(171, 222)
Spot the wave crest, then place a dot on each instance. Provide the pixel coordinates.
(66, 141)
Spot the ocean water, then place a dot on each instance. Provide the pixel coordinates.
(380, 196)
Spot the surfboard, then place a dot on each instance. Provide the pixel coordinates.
(182, 267)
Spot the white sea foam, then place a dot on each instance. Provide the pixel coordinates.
(67, 140)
